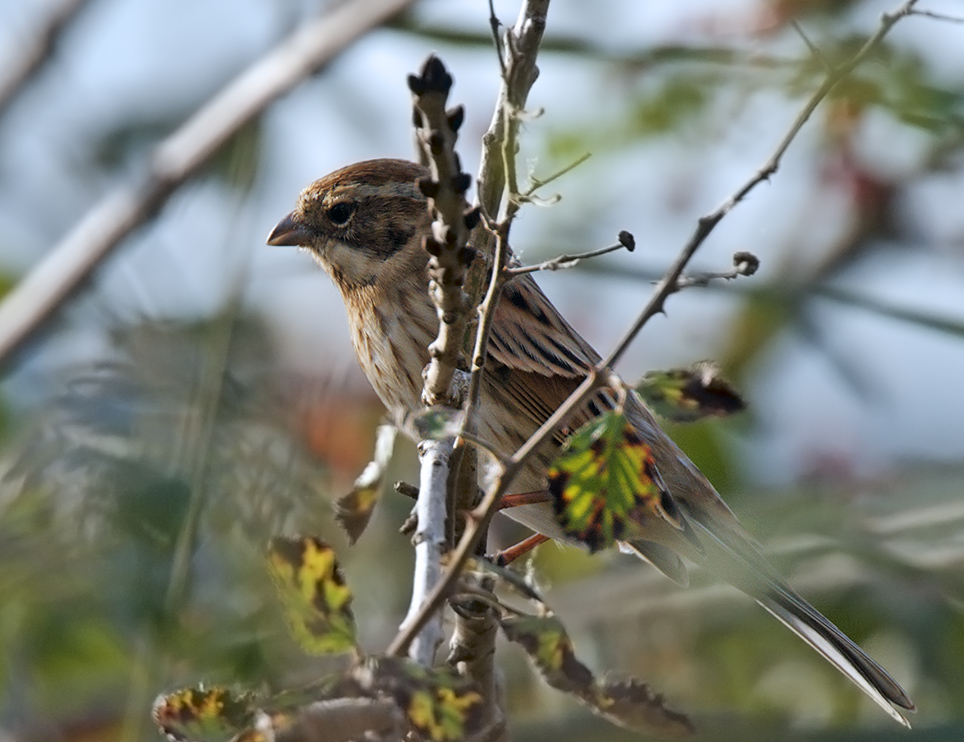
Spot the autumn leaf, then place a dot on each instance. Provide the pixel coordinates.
(627, 703)
(201, 714)
(689, 394)
(440, 704)
(604, 483)
(354, 510)
(316, 599)
(547, 643)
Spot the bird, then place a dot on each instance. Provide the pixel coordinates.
(364, 224)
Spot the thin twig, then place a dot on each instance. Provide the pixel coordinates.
(707, 224)
(601, 375)
(537, 183)
(817, 54)
(744, 264)
(564, 262)
(495, 24)
(520, 72)
(486, 312)
(36, 51)
(178, 157)
(937, 16)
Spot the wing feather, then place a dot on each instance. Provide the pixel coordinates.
(536, 360)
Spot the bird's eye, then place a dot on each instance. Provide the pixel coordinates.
(341, 212)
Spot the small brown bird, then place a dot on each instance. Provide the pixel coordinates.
(364, 225)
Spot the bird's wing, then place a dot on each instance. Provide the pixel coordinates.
(528, 334)
(539, 359)
(536, 360)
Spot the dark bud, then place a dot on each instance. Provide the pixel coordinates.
(432, 247)
(434, 76)
(472, 217)
(436, 140)
(467, 255)
(627, 240)
(416, 85)
(455, 117)
(746, 263)
(461, 182)
(427, 186)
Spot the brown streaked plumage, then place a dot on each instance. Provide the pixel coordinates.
(364, 224)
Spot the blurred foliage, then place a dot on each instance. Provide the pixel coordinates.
(131, 500)
(138, 490)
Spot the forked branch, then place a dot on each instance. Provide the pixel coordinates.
(601, 375)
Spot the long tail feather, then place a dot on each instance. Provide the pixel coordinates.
(846, 656)
(738, 561)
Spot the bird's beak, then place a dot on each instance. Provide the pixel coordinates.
(290, 231)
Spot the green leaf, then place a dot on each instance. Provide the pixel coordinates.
(203, 714)
(688, 394)
(440, 704)
(316, 599)
(603, 485)
(628, 703)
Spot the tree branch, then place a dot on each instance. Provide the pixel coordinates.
(562, 262)
(706, 224)
(179, 156)
(345, 719)
(37, 50)
(437, 131)
(518, 61)
(601, 375)
(521, 45)
(472, 651)
(429, 543)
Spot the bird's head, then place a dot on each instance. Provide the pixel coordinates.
(364, 223)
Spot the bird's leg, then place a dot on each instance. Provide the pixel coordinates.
(523, 498)
(507, 556)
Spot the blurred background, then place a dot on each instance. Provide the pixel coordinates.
(199, 394)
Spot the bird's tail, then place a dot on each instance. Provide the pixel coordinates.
(738, 561)
(810, 625)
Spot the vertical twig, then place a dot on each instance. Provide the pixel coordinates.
(518, 62)
(436, 132)
(429, 543)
